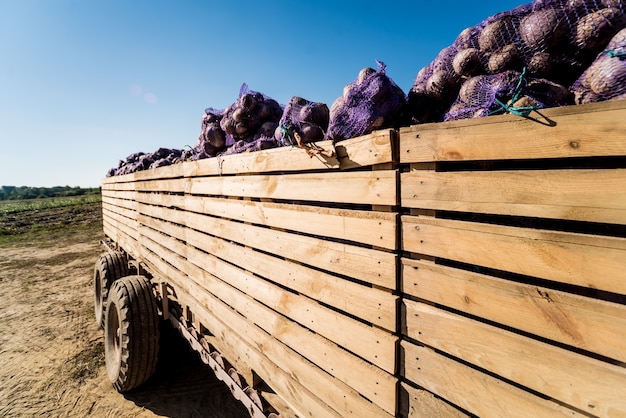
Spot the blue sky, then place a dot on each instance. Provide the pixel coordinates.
(84, 83)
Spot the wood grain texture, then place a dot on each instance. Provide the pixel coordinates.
(582, 382)
(585, 260)
(596, 129)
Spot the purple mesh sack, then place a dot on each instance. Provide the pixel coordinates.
(605, 79)
(553, 40)
(302, 122)
(509, 91)
(243, 119)
(373, 101)
(212, 138)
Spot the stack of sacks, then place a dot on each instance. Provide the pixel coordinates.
(533, 53)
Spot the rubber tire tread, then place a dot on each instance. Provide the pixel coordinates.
(139, 333)
(111, 267)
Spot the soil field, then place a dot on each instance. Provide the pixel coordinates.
(52, 351)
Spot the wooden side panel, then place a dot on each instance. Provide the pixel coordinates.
(577, 259)
(474, 391)
(287, 258)
(358, 187)
(558, 373)
(582, 195)
(513, 281)
(583, 322)
(567, 132)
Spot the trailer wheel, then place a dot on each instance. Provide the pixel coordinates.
(109, 268)
(131, 333)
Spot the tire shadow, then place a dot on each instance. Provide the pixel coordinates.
(183, 386)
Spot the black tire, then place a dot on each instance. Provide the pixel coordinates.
(109, 268)
(131, 333)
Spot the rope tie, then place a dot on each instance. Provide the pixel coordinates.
(614, 53)
(523, 111)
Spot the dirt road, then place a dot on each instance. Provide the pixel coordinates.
(51, 350)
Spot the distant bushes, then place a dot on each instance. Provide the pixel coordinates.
(25, 192)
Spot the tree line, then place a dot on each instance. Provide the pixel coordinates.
(25, 192)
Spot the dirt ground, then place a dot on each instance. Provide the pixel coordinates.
(51, 350)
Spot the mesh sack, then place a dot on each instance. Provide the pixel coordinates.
(245, 117)
(605, 79)
(212, 138)
(373, 101)
(555, 40)
(509, 91)
(142, 161)
(303, 121)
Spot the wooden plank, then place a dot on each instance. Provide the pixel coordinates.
(233, 344)
(165, 172)
(119, 179)
(169, 243)
(128, 195)
(334, 393)
(167, 214)
(372, 344)
(582, 322)
(370, 381)
(119, 186)
(369, 265)
(128, 204)
(367, 227)
(363, 151)
(474, 391)
(596, 129)
(591, 261)
(368, 150)
(354, 187)
(162, 185)
(127, 224)
(584, 195)
(128, 243)
(162, 199)
(120, 210)
(423, 404)
(170, 229)
(373, 305)
(585, 383)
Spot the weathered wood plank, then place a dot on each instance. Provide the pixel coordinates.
(128, 204)
(472, 390)
(363, 151)
(582, 322)
(230, 340)
(584, 195)
(367, 227)
(423, 404)
(128, 195)
(354, 187)
(596, 129)
(370, 381)
(585, 260)
(582, 382)
(369, 265)
(175, 185)
(334, 393)
(373, 344)
(165, 172)
(370, 304)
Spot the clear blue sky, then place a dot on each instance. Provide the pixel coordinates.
(84, 83)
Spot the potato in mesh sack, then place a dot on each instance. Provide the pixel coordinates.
(373, 101)
(302, 122)
(553, 40)
(250, 118)
(605, 79)
(509, 91)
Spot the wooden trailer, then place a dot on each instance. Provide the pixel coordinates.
(468, 268)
